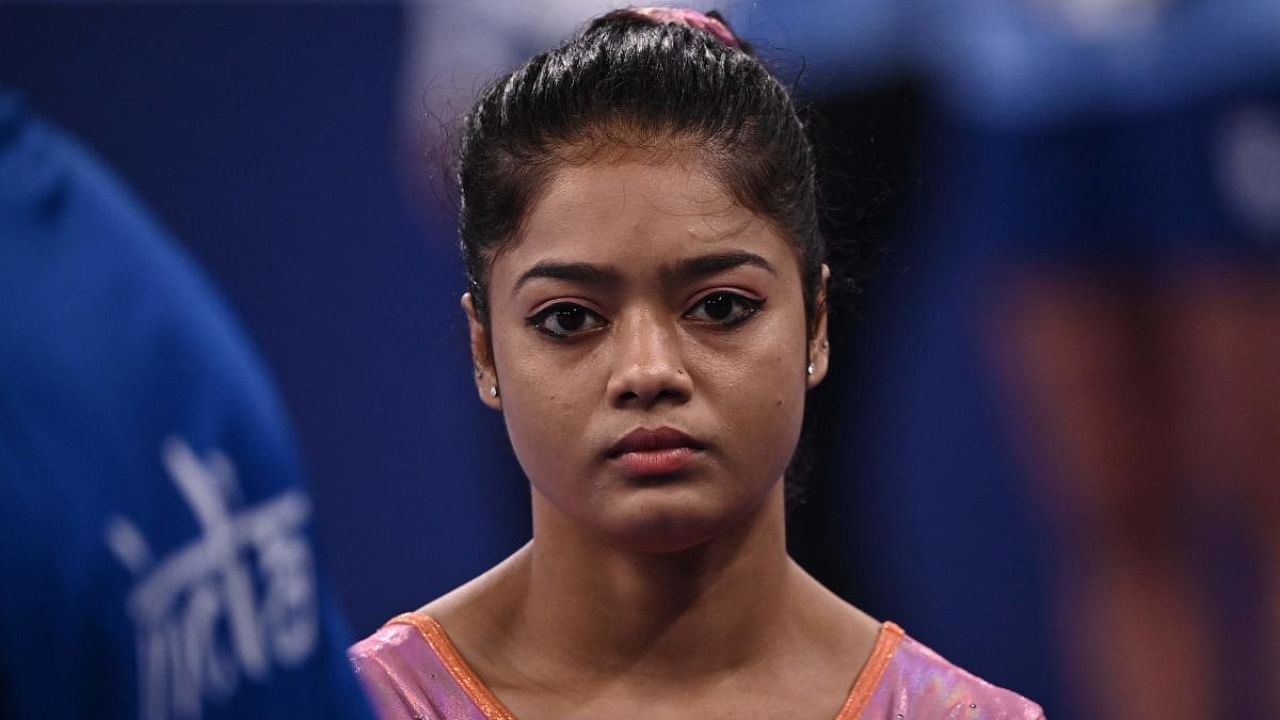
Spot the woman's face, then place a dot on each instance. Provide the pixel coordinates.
(649, 346)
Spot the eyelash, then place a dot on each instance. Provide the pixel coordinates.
(746, 308)
(538, 320)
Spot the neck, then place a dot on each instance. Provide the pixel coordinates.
(595, 608)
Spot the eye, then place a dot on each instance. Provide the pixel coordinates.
(724, 308)
(564, 320)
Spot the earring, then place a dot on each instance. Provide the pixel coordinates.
(809, 370)
(493, 391)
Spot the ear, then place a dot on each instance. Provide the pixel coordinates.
(819, 347)
(485, 374)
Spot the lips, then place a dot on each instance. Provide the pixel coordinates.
(645, 453)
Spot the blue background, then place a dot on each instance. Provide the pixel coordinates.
(265, 136)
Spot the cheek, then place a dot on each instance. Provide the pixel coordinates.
(546, 400)
(763, 392)
(775, 398)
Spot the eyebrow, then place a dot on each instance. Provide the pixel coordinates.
(705, 265)
(681, 271)
(574, 272)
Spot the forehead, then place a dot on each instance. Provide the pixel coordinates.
(635, 214)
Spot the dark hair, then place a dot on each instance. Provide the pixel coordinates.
(630, 81)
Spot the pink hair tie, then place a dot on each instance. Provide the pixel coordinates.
(692, 18)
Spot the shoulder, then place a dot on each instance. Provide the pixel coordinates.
(391, 643)
(915, 681)
(408, 670)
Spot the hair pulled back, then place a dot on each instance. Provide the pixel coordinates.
(632, 81)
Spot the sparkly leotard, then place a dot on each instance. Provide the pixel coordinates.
(411, 670)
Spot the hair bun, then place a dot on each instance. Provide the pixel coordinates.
(707, 22)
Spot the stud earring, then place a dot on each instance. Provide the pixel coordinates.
(809, 370)
(493, 391)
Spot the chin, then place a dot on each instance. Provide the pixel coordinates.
(670, 524)
(665, 540)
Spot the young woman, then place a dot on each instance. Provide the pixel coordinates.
(647, 307)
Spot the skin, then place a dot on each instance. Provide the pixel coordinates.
(669, 596)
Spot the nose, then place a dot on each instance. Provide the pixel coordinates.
(648, 363)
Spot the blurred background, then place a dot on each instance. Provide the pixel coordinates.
(1050, 444)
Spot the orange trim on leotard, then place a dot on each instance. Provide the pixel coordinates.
(863, 687)
(869, 678)
(435, 636)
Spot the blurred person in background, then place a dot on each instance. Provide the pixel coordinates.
(156, 552)
(1080, 376)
